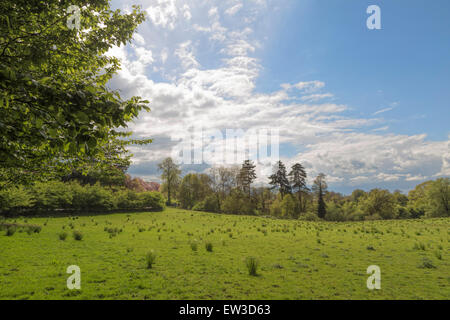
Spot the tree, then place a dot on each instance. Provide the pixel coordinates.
(297, 178)
(55, 107)
(279, 180)
(246, 177)
(288, 206)
(224, 179)
(439, 198)
(320, 188)
(170, 175)
(379, 204)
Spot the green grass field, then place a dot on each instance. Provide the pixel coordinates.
(297, 260)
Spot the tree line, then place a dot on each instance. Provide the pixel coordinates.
(231, 190)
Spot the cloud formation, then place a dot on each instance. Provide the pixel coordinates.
(197, 64)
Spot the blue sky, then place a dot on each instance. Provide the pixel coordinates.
(407, 63)
(369, 108)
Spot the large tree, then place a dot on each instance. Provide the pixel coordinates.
(246, 177)
(320, 188)
(170, 176)
(55, 106)
(297, 178)
(279, 180)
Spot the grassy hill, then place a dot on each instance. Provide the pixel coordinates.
(297, 259)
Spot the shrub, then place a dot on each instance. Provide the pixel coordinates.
(93, 197)
(11, 230)
(209, 204)
(150, 259)
(15, 199)
(238, 203)
(62, 236)
(252, 266)
(34, 229)
(209, 246)
(152, 199)
(427, 264)
(194, 246)
(309, 216)
(77, 235)
(51, 195)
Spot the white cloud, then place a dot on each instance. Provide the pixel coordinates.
(234, 9)
(210, 82)
(317, 97)
(382, 111)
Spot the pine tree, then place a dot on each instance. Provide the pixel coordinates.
(279, 180)
(297, 178)
(320, 187)
(246, 177)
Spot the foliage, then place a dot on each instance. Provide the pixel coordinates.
(56, 111)
(378, 204)
(246, 176)
(238, 203)
(55, 196)
(320, 187)
(170, 175)
(279, 180)
(209, 204)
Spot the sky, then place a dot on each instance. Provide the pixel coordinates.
(369, 108)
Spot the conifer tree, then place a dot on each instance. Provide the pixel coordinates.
(246, 177)
(320, 188)
(297, 178)
(279, 179)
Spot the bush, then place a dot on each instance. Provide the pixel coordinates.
(209, 246)
(11, 230)
(309, 216)
(152, 199)
(194, 246)
(93, 197)
(150, 259)
(54, 195)
(62, 236)
(252, 266)
(15, 199)
(77, 235)
(210, 204)
(51, 195)
(34, 229)
(238, 203)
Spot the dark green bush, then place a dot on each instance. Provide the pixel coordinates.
(72, 196)
(150, 259)
(11, 230)
(252, 266)
(77, 235)
(62, 236)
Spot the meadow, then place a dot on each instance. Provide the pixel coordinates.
(201, 255)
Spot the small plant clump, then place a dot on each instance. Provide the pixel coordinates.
(150, 259)
(77, 235)
(209, 246)
(252, 266)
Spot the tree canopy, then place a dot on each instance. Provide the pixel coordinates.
(55, 106)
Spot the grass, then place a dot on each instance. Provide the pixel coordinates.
(291, 263)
